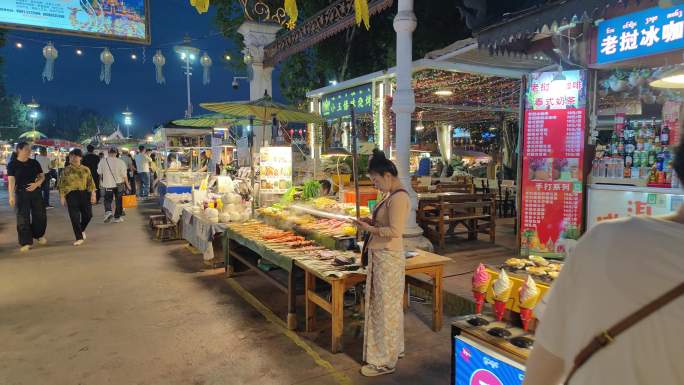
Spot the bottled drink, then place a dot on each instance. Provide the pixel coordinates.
(665, 136)
(660, 160)
(613, 143)
(651, 157)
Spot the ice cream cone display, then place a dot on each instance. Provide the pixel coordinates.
(528, 295)
(502, 293)
(481, 279)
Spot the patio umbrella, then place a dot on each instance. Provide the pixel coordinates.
(212, 120)
(32, 135)
(263, 109)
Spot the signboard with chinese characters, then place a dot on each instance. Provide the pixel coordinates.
(337, 104)
(651, 31)
(612, 202)
(553, 151)
(111, 19)
(474, 364)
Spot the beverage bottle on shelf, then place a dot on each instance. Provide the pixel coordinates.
(651, 157)
(613, 143)
(665, 136)
(660, 159)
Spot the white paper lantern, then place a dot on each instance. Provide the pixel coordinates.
(107, 60)
(50, 53)
(159, 60)
(206, 63)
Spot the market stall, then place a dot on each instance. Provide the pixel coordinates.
(182, 160)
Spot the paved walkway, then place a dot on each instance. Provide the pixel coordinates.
(123, 309)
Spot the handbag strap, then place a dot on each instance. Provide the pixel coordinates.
(111, 172)
(606, 337)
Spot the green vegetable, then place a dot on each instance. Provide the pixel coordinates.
(288, 197)
(311, 189)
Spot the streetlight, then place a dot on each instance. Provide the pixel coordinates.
(128, 121)
(33, 106)
(188, 54)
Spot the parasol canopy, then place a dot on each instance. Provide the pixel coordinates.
(32, 135)
(213, 120)
(263, 109)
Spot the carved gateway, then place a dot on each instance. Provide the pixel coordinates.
(327, 22)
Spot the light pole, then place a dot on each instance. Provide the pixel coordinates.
(188, 54)
(128, 120)
(33, 106)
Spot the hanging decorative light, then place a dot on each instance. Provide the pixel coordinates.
(206, 63)
(50, 53)
(107, 60)
(361, 13)
(159, 60)
(202, 6)
(292, 13)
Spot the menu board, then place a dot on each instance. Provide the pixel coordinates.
(613, 202)
(275, 169)
(111, 19)
(553, 151)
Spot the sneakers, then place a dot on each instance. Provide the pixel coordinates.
(25, 248)
(48, 207)
(108, 216)
(42, 241)
(118, 220)
(78, 242)
(374, 371)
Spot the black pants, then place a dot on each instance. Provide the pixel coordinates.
(131, 181)
(31, 216)
(80, 211)
(96, 179)
(45, 189)
(113, 194)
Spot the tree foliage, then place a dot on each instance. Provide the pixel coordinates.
(350, 53)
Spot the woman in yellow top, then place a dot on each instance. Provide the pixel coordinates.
(384, 326)
(77, 193)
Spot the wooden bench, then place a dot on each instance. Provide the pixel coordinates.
(455, 187)
(477, 215)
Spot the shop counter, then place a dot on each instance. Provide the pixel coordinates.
(200, 232)
(607, 202)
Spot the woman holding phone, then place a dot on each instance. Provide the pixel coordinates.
(383, 248)
(77, 193)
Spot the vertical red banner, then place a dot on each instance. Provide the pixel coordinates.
(553, 153)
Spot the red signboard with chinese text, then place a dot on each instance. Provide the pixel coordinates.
(553, 151)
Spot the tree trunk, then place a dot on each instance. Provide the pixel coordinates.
(345, 63)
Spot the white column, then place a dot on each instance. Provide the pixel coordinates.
(403, 105)
(256, 36)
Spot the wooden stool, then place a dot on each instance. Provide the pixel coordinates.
(156, 220)
(165, 232)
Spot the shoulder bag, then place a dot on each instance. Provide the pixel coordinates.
(120, 187)
(607, 337)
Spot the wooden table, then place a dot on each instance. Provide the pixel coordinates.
(434, 197)
(424, 263)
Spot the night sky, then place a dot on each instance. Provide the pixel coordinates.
(77, 78)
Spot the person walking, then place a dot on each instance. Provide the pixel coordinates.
(44, 161)
(142, 164)
(613, 316)
(25, 176)
(383, 251)
(114, 181)
(91, 160)
(130, 165)
(77, 194)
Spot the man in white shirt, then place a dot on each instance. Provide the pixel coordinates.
(44, 161)
(114, 177)
(142, 164)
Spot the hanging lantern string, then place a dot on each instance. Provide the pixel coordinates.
(101, 47)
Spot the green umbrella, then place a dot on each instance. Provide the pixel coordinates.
(213, 120)
(263, 109)
(32, 135)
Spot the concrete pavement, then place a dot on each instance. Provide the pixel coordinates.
(124, 309)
